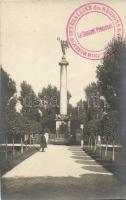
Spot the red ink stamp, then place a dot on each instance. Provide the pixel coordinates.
(90, 28)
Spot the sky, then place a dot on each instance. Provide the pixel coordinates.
(30, 50)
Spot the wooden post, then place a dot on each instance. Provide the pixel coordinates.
(95, 147)
(113, 150)
(100, 148)
(106, 148)
(6, 149)
(33, 141)
(30, 141)
(88, 142)
(26, 144)
(22, 150)
(91, 143)
(13, 150)
(83, 141)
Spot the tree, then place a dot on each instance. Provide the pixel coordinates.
(68, 97)
(112, 81)
(109, 73)
(29, 121)
(8, 102)
(93, 112)
(50, 103)
(29, 101)
(49, 98)
(110, 129)
(74, 119)
(92, 96)
(80, 111)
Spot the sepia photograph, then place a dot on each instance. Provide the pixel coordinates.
(62, 100)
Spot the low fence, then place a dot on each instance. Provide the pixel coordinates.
(106, 152)
(11, 150)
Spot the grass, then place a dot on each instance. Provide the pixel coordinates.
(6, 165)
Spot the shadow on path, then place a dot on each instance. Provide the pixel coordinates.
(117, 168)
(64, 188)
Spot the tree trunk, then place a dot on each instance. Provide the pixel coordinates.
(83, 142)
(30, 141)
(22, 150)
(6, 149)
(91, 143)
(113, 150)
(33, 141)
(100, 148)
(106, 149)
(13, 150)
(95, 145)
(26, 144)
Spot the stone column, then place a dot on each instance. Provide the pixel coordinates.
(62, 118)
(63, 86)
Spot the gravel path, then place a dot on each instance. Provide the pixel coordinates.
(62, 172)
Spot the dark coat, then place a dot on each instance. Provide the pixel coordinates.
(43, 141)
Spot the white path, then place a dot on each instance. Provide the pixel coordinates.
(57, 161)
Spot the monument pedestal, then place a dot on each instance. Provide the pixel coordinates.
(62, 130)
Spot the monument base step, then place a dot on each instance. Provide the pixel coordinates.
(60, 141)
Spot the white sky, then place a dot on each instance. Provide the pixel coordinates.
(30, 50)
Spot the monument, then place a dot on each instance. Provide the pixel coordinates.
(62, 119)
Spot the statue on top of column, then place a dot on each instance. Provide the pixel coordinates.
(64, 45)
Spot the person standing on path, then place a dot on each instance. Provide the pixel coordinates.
(47, 137)
(43, 144)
